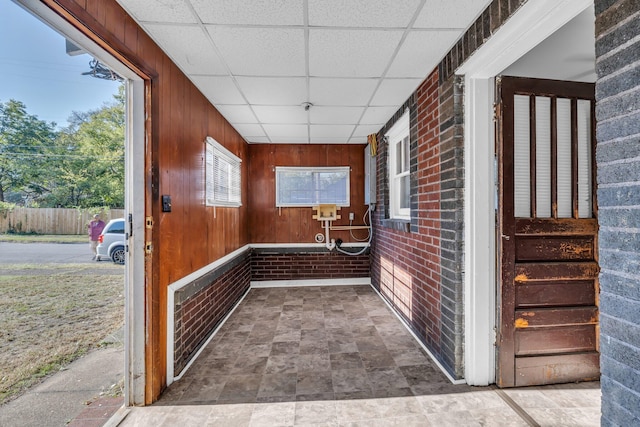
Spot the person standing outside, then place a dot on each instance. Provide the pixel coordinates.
(94, 229)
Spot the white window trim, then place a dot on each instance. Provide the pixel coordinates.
(398, 132)
(347, 169)
(214, 148)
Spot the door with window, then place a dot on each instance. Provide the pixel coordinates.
(547, 232)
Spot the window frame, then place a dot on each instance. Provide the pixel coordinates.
(313, 169)
(399, 133)
(233, 194)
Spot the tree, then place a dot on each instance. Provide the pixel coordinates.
(24, 144)
(89, 170)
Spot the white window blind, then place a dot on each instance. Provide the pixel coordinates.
(223, 187)
(584, 159)
(311, 186)
(565, 208)
(522, 153)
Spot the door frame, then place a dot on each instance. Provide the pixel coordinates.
(529, 26)
(135, 152)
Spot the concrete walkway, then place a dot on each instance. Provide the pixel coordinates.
(65, 395)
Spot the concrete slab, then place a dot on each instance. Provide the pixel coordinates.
(63, 396)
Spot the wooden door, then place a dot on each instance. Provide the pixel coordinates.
(547, 225)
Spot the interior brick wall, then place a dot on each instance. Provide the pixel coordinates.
(422, 260)
(296, 264)
(200, 306)
(618, 169)
(406, 256)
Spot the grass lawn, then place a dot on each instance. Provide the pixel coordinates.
(44, 238)
(52, 314)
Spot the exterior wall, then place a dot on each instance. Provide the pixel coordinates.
(201, 305)
(268, 224)
(618, 162)
(304, 264)
(418, 265)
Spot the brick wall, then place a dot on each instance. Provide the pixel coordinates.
(618, 163)
(419, 264)
(406, 256)
(298, 264)
(202, 304)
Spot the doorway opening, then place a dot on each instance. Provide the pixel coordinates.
(519, 37)
(134, 194)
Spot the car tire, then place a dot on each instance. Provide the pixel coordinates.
(118, 255)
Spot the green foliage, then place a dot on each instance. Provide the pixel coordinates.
(5, 208)
(24, 144)
(81, 165)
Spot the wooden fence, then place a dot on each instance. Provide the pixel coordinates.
(51, 220)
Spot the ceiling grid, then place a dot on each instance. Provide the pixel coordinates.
(259, 62)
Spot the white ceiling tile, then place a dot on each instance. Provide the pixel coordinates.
(364, 130)
(421, 52)
(335, 115)
(219, 89)
(159, 11)
(250, 12)
(362, 13)
(450, 13)
(280, 114)
(290, 140)
(358, 140)
(257, 139)
(353, 92)
(331, 131)
(249, 129)
(394, 91)
(350, 53)
(274, 90)
(188, 46)
(237, 113)
(332, 140)
(378, 115)
(261, 51)
(288, 131)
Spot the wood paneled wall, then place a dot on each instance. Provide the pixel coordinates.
(179, 120)
(268, 224)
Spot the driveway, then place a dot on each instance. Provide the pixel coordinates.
(63, 253)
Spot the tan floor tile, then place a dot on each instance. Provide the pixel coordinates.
(320, 413)
(273, 414)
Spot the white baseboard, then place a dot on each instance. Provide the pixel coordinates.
(309, 282)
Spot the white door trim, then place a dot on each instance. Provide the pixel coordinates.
(134, 328)
(530, 25)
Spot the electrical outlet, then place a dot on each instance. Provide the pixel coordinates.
(351, 216)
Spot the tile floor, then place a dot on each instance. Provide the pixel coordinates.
(337, 355)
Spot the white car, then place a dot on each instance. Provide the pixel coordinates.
(111, 242)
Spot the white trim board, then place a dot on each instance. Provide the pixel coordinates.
(309, 282)
(530, 25)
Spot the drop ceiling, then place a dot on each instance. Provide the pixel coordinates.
(259, 61)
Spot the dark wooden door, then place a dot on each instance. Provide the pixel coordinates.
(547, 225)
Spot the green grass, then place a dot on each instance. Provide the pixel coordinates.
(44, 238)
(52, 314)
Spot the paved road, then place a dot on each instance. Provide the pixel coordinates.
(20, 253)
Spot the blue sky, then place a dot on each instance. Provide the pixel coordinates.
(35, 69)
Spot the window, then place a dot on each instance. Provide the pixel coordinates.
(222, 175)
(399, 170)
(304, 186)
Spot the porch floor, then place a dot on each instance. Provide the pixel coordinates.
(337, 355)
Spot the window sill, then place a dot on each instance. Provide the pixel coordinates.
(397, 224)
